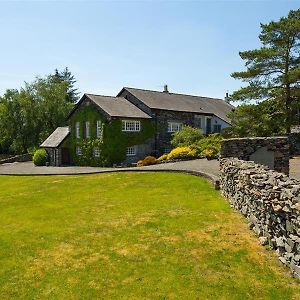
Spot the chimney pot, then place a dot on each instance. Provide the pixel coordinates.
(166, 88)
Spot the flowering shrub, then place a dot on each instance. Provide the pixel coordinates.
(163, 157)
(139, 163)
(147, 161)
(182, 153)
(210, 153)
(206, 147)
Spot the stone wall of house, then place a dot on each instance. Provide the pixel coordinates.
(162, 117)
(54, 156)
(270, 151)
(142, 150)
(163, 137)
(270, 201)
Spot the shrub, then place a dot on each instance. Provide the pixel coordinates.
(186, 136)
(32, 150)
(182, 153)
(210, 153)
(147, 161)
(211, 143)
(139, 163)
(40, 157)
(163, 157)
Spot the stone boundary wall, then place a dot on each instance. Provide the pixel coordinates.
(17, 158)
(243, 148)
(294, 140)
(270, 201)
(5, 156)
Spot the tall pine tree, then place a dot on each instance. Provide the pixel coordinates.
(273, 71)
(66, 76)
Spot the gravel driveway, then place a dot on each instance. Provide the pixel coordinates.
(201, 167)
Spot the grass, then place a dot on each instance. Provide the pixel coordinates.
(130, 236)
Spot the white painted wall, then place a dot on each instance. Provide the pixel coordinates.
(214, 121)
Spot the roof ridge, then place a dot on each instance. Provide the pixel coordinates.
(102, 95)
(162, 92)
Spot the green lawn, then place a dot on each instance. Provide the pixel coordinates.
(130, 236)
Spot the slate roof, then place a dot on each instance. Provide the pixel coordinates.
(184, 103)
(117, 106)
(56, 137)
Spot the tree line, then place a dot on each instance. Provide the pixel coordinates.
(29, 115)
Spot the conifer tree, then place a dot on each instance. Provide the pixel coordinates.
(273, 71)
(65, 75)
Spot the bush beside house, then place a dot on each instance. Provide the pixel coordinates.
(191, 144)
(147, 161)
(187, 136)
(40, 157)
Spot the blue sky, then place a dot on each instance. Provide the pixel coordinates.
(190, 45)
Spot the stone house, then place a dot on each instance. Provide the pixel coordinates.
(104, 130)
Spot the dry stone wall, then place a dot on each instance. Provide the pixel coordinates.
(270, 151)
(270, 201)
(294, 140)
(16, 158)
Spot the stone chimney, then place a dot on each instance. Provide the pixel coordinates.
(166, 88)
(227, 97)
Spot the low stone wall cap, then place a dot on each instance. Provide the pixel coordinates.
(258, 138)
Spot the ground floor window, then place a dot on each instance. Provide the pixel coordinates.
(78, 150)
(87, 129)
(174, 126)
(96, 152)
(98, 129)
(131, 151)
(198, 122)
(77, 130)
(217, 128)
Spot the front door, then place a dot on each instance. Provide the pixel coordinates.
(208, 125)
(65, 156)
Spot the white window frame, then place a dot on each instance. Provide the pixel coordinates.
(174, 126)
(77, 130)
(96, 152)
(87, 129)
(131, 151)
(199, 120)
(131, 125)
(78, 151)
(99, 129)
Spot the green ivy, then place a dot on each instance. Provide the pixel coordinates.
(113, 143)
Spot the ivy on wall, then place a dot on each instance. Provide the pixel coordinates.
(113, 142)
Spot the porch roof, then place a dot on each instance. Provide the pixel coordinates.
(56, 137)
